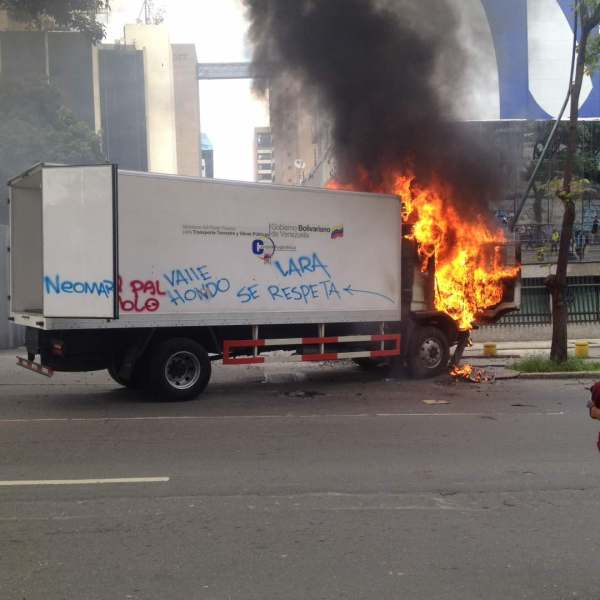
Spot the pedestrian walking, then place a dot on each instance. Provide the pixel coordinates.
(595, 228)
(541, 254)
(555, 240)
(581, 242)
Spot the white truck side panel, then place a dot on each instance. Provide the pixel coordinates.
(195, 250)
(78, 237)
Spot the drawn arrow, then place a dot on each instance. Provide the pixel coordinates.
(350, 290)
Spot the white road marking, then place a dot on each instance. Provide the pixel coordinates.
(401, 508)
(282, 416)
(34, 482)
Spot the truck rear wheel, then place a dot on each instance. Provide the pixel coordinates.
(429, 353)
(179, 369)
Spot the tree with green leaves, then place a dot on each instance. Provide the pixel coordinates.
(72, 15)
(587, 13)
(550, 173)
(36, 127)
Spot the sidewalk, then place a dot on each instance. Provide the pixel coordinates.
(527, 333)
(532, 347)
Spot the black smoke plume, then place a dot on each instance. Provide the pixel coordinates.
(386, 73)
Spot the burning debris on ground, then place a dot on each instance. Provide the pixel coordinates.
(473, 374)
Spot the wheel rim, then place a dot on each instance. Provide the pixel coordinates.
(430, 353)
(182, 370)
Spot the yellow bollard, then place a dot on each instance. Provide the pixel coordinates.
(490, 350)
(582, 349)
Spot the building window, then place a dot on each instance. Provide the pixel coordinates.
(264, 139)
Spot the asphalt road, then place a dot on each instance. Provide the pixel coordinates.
(316, 483)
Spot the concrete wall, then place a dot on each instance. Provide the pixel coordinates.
(187, 109)
(160, 94)
(293, 126)
(11, 335)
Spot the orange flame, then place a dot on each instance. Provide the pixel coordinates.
(464, 372)
(472, 374)
(469, 273)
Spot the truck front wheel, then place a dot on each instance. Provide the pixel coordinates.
(179, 369)
(429, 353)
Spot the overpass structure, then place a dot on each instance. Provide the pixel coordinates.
(241, 70)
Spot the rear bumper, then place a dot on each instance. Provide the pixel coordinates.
(69, 351)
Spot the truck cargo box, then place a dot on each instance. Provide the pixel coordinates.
(93, 247)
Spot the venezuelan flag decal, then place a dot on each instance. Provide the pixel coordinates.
(337, 232)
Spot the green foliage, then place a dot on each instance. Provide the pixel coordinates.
(72, 15)
(588, 11)
(542, 364)
(586, 169)
(593, 54)
(35, 127)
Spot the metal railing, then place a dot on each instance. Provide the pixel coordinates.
(583, 298)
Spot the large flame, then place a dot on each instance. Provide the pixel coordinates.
(469, 274)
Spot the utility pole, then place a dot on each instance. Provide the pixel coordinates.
(146, 9)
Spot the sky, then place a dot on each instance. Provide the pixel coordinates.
(229, 111)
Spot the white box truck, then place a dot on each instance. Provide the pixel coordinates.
(152, 277)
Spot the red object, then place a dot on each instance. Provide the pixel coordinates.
(596, 394)
(228, 345)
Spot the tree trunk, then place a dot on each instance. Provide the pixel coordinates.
(557, 283)
(538, 198)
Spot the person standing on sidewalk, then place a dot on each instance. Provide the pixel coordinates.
(581, 243)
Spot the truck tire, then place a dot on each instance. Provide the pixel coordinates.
(179, 369)
(429, 353)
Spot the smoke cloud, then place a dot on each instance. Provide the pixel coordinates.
(386, 73)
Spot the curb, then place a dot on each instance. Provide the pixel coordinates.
(565, 375)
(507, 374)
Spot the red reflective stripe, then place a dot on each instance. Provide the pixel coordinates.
(259, 360)
(387, 338)
(228, 345)
(382, 353)
(244, 343)
(314, 341)
(230, 360)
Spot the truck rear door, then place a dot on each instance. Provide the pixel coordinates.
(63, 240)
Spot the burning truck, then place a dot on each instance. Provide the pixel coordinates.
(154, 277)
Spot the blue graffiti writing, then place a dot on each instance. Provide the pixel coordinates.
(54, 285)
(187, 276)
(304, 293)
(248, 294)
(330, 290)
(351, 291)
(301, 266)
(207, 291)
